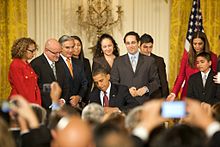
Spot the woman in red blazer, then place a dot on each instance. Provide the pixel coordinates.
(198, 43)
(22, 77)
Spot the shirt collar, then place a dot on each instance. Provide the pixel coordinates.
(136, 55)
(48, 60)
(202, 73)
(108, 89)
(107, 93)
(64, 58)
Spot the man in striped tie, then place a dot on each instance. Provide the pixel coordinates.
(48, 70)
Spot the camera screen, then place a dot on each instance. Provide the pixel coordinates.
(174, 109)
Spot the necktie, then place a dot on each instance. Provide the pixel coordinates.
(204, 80)
(54, 69)
(70, 67)
(133, 63)
(105, 100)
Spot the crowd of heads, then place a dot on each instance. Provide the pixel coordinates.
(94, 126)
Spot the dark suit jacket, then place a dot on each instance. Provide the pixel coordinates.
(78, 83)
(163, 91)
(88, 73)
(16, 136)
(100, 62)
(214, 141)
(45, 75)
(197, 91)
(145, 75)
(39, 137)
(119, 97)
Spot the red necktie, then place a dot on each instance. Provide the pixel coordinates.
(105, 100)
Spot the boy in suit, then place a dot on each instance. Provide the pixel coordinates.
(201, 85)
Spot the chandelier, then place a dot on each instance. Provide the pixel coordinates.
(97, 18)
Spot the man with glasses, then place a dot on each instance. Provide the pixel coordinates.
(48, 70)
(74, 71)
(135, 70)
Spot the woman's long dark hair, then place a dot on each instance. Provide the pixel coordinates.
(192, 52)
(81, 55)
(99, 52)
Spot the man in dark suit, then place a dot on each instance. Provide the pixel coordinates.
(109, 95)
(201, 85)
(48, 70)
(74, 71)
(135, 70)
(146, 46)
(217, 78)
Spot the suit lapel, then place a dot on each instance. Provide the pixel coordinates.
(112, 95)
(48, 67)
(200, 81)
(209, 79)
(105, 62)
(128, 63)
(97, 97)
(139, 62)
(67, 72)
(74, 67)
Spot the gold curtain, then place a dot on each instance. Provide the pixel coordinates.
(13, 25)
(180, 11)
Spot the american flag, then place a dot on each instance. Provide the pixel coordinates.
(195, 22)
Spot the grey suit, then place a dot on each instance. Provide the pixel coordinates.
(145, 75)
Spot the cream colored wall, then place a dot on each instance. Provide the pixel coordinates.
(53, 18)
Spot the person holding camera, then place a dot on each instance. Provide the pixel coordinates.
(32, 133)
(22, 78)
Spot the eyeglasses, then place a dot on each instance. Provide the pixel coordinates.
(53, 52)
(32, 51)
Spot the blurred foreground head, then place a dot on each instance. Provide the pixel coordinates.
(181, 136)
(93, 114)
(72, 131)
(6, 139)
(109, 134)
